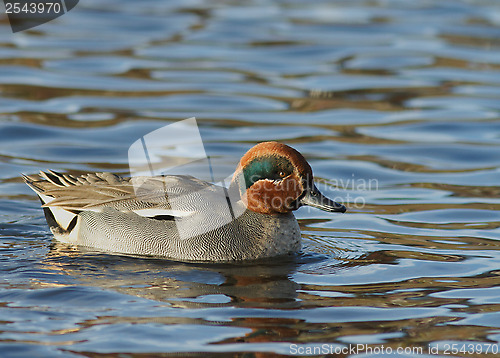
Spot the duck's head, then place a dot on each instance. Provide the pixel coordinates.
(274, 178)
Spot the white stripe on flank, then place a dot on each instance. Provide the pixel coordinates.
(149, 213)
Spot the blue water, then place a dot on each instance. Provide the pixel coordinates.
(394, 103)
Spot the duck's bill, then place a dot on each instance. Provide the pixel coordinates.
(314, 198)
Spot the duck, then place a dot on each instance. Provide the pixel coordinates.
(183, 218)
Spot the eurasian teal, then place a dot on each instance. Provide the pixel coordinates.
(105, 211)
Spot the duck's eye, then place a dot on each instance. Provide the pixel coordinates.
(282, 174)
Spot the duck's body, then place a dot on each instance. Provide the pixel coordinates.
(184, 218)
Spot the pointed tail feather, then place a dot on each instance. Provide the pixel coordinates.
(58, 219)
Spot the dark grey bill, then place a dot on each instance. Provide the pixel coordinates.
(314, 198)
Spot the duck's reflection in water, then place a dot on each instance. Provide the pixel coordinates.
(264, 283)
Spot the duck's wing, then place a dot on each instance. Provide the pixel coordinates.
(154, 197)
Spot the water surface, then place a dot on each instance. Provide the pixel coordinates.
(395, 104)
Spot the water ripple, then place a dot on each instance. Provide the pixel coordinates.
(395, 105)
